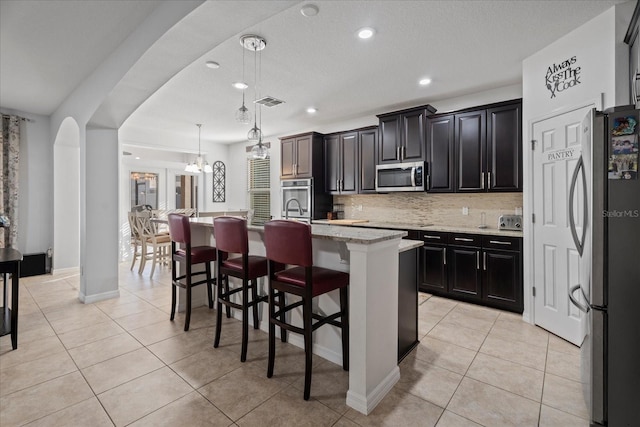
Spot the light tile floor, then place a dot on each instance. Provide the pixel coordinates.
(122, 362)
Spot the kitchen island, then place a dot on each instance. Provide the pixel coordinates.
(371, 259)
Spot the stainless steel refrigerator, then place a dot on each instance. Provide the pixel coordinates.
(609, 243)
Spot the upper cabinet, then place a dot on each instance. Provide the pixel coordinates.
(341, 163)
(350, 161)
(504, 148)
(367, 159)
(402, 135)
(475, 150)
(301, 156)
(440, 155)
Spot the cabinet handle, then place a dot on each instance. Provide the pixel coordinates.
(477, 260)
(398, 153)
(430, 236)
(489, 180)
(337, 184)
(482, 180)
(428, 183)
(444, 257)
(497, 242)
(484, 261)
(342, 185)
(463, 239)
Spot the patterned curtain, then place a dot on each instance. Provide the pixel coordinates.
(9, 157)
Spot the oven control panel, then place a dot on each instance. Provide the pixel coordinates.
(510, 222)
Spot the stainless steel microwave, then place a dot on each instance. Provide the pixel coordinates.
(400, 177)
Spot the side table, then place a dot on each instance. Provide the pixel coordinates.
(10, 263)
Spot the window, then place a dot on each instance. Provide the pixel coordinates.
(259, 188)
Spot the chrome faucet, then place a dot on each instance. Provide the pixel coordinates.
(286, 207)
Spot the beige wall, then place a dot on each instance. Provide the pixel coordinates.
(424, 209)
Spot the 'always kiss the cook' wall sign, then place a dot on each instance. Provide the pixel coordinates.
(562, 76)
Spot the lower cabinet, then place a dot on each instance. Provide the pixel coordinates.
(481, 269)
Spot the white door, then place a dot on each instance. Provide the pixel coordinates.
(556, 262)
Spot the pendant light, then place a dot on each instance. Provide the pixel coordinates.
(199, 164)
(255, 43)
(242, 114)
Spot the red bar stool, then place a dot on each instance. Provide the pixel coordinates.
(289, 242)
(180, 232)
(231, 238)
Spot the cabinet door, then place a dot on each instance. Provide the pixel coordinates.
(412, 136)
(502, 284)
(349, 154)
(504, 148)
(304, 157)
(332, 163)
(470, 139)
(367, 154)
(464, 273)
(440, 154)
(433, 271)
(287, 158)
(389, 140)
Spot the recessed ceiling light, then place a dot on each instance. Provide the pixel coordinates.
(311, 110)
(309, 10)
(137, 158)
(425, 81)
(240, 85)
(212, 64)
(365, 33)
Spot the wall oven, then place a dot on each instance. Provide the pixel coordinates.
(400, 177)
(296, 201)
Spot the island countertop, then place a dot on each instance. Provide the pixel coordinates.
(337, 233)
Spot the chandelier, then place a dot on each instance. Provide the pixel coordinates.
(199, 164)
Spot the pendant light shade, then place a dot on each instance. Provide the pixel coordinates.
(242, 115)
(259, 151)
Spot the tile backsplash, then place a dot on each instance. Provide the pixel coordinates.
(425, 209)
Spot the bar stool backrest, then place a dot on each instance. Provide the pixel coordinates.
(288, 242)
(179, 228)
(231, 234)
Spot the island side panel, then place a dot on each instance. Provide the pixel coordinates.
(373, 304)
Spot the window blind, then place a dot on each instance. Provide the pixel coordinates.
(259, 188)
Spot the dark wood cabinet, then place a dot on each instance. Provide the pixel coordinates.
(483, 269)
(341, 163)
(402, 135)
(433, 268)
(367, 144)
(504, 148)
(463, 261)
(301, 156)
(502, 272)
(475, 150)
(440, 155)
(470, 150)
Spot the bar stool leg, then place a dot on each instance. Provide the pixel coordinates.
(344, 320)
(226, 289)
(282, 303)
(245, 319)
(209, 284)
(272, 332)
(308, 345)
(188, 289)
(254, 301)
(216, 341)
(173, 289)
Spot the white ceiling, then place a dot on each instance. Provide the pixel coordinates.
(464, 46)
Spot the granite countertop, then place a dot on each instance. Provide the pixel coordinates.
(408, 244)
(431, 227)
(330, 232)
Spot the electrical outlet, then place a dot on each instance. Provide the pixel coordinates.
(465, 210)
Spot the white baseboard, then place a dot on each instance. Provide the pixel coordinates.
(67, 270)
(90, 299)
(366, 404)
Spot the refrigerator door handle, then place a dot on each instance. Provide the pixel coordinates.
(581, 307)
(579, 241)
